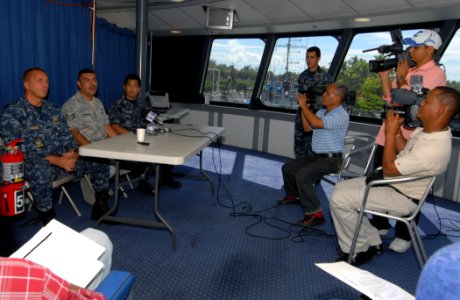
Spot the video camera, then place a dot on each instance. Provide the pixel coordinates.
(386, 63)
(410, 103)
(313, 89)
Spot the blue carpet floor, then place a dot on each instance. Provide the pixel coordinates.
(240, 244)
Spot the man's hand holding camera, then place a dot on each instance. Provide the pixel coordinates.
(394, 143)
(303, 101)
(305, 107)
(393, 124)
(401, 72)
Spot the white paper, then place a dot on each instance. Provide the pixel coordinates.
(67, 253)
(367, 283)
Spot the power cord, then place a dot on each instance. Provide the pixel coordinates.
(293, 231)
(453, 222)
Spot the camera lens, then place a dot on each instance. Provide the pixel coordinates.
(382, 65)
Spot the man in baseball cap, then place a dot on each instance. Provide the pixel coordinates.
(422, 47)
(424, 37)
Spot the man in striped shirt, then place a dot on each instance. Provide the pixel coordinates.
(329, 126)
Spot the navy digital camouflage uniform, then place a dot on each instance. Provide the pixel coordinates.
(128, 114)
(45, 133)
(90, 121)
(302, 139)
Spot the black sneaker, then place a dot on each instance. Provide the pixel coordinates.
(172, 183)
(145, 187)
(46, 216)
(380, 223)
(377, 250)
(360, 258)
(289, 199)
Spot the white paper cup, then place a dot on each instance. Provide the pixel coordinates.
(140, 134)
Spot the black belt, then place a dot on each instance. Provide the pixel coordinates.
(329, 155)
(399, 192)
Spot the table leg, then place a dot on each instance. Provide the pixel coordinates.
(157, 207)
(205, 175)
(109, 216)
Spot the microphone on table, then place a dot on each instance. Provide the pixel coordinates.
(151, 117)
(151, 129)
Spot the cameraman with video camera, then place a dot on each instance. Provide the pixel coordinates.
(312, 79)
(425, 74)
(329, 125)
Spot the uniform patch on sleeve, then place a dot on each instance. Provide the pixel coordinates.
(55, 120)
(70, 116)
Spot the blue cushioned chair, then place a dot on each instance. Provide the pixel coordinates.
(117, 285)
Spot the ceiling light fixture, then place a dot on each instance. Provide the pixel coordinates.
(362, 20)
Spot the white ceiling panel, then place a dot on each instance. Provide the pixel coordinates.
(122, 19)
(249, 15)
(278, 11)
(377, 6)
(324, 8)
(156, 23)
(196, 12)
(423, 3)
(176, 18)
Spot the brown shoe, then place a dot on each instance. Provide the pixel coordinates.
(289, 199)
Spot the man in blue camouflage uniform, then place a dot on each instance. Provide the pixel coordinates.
(313, 76)
(127, 114)
(88, 122)
(49, 149)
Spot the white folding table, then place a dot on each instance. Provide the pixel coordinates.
(173, 148)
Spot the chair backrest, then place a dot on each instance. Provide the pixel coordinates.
(358, 154)
(422, 200)
(385, 182)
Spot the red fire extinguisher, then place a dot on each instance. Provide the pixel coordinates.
(12, 195)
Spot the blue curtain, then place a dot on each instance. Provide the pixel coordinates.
(115, 58)
(56, 36)
(37, 33)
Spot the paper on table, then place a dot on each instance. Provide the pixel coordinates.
(367, 283)
(64, 251)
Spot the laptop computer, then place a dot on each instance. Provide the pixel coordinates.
(159, 101)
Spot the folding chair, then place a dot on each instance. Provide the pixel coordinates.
(61, 184)
(409, 221)
(128, 180)
(358, 154)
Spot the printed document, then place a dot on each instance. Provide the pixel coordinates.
(367, 283)
(64, 251)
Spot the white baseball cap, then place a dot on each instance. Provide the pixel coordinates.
(424, 37)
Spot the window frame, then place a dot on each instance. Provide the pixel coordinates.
(447, 29)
